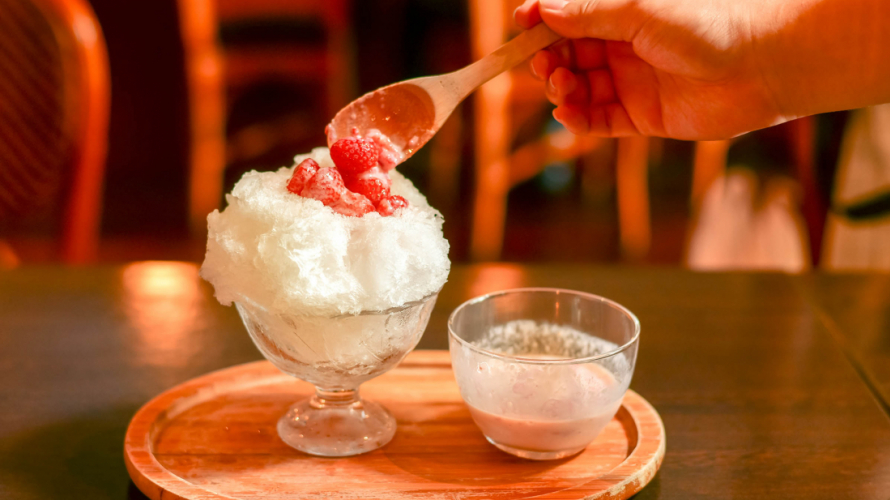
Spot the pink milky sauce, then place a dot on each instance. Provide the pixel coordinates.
(390, 154)
(543, 435)
(552, 428)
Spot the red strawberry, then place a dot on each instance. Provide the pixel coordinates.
(352, 204)
(373, 183)
(326, 186)
(390, 204)
(375, 172)
(304, 171)
(372, 187)
(353, 155)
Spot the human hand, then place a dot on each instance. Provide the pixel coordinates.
(685, 70)
(708, 69)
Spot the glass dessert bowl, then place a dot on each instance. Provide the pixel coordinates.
(337, 354)
(334, 265)
(542, 370)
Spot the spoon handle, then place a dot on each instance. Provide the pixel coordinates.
(507, 55)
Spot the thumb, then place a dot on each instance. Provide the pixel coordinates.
(617, 20)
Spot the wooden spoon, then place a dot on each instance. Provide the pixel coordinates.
(409, 113)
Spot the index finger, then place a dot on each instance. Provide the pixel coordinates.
(528, 14)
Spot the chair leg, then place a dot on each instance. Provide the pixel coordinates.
(633, 197)
(803, 138)
(341, 57)
(204, 77)
(491, 122)
(708, 165)
(445, 159)
(489, 214)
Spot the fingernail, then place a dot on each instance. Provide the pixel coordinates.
(557, 115)
(556, 90)
(550, 87)
(533, 66)
(553, 4)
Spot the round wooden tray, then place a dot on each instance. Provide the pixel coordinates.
(214, 437)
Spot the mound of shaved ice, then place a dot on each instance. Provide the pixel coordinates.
(294, 255)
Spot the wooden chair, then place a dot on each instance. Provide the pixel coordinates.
(54, 105)
(218, 74)
(329, 62)
(207, 109)
(857, 233)
(507, 101)
(710, 162)
(504, 104)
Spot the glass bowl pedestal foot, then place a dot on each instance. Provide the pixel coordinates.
(336, 423)
(336, 354)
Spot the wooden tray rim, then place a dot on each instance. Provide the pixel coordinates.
(157, 482)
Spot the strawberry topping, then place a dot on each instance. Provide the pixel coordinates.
(352, 204)
(373, 183)
(359, 184)
(390, 204)
(326, 186)
(371, 187)
(376, 173)
(353, 155)
(304, 171)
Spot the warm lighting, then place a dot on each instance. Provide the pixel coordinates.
(8, 257)
(162, 303)
(562, 140)
(492, 278)
(85, 29)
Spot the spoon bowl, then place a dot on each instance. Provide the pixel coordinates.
(404, 112)
(409, 113)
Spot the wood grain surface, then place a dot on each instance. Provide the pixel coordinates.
(214, 438)
(855, 308)
(758, 396)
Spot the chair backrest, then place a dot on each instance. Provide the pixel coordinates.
(54, 102)
(214, 69)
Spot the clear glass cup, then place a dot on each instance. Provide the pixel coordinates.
(542, 370)
(336, 354)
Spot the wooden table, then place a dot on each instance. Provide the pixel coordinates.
(770, 386)
(856, 310)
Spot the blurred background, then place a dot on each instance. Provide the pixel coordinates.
(122, 124)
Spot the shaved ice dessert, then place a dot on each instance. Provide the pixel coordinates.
(333, 263)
